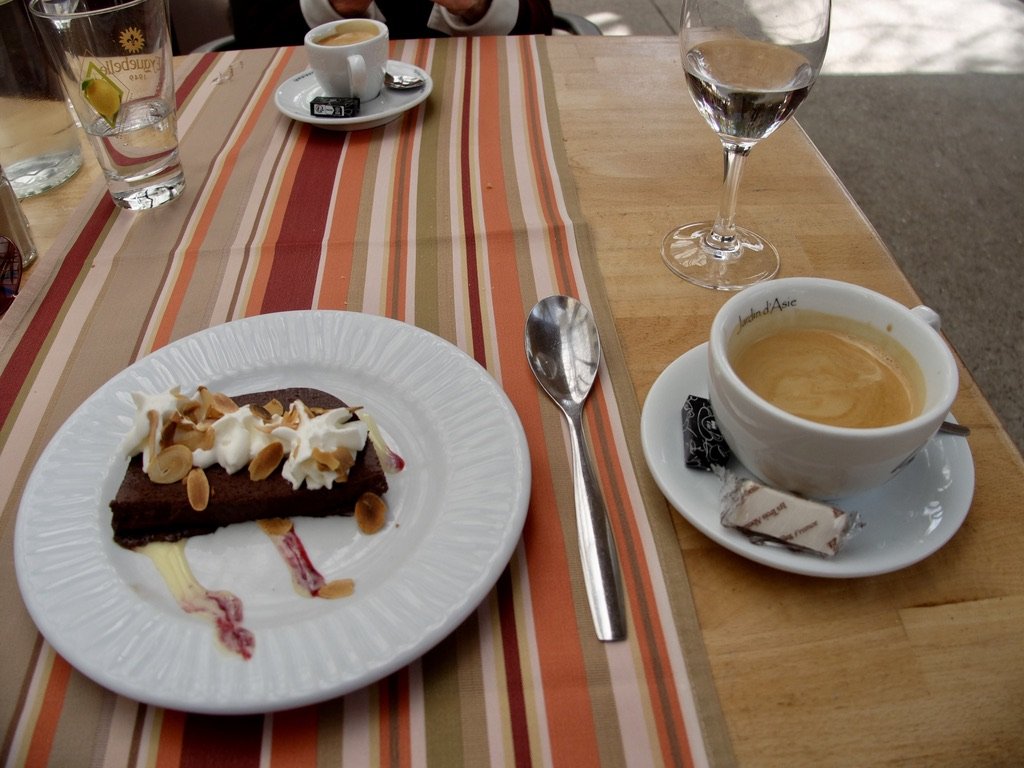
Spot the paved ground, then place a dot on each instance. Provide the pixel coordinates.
(919, 110)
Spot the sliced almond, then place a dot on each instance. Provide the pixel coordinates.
(332, 590)
(291, 419)
(261, 413)
(345, 462)
(266, 461)
(371, 513)
(325, 460)
(198, 487)
(192, 410)
(217, 403)
(197, 438)
(153, 438)
(274, 407)
(170, 465)
(169, 428)
(275, 526)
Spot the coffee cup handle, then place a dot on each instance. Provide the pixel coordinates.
(357, 75)
(928, 315)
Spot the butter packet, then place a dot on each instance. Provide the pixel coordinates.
(770, 516)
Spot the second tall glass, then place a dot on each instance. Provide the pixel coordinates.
(114, 57)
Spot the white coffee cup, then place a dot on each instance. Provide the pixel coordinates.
(349, 69)
(814, 459)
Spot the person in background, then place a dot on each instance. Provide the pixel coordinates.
(269, 23)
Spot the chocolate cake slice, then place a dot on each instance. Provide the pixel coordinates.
(144, 511)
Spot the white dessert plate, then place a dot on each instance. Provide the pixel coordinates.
(456, 514)
(905, 521)
(295, 94)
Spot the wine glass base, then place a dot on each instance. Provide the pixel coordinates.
(686, 252)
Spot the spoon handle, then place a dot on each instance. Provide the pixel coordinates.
(597, 546)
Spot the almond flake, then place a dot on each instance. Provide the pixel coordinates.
(332, 590)
(275, 526)
(345, 462)
(371, 513)
(325, 460)
(265, 462)
(217, 404)
(261, 413)
(198, 487)
(170, 465)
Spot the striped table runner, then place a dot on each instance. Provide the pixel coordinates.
(456, 218)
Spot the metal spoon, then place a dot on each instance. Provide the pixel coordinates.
(564, 352)
(952, 428)
(402, 82)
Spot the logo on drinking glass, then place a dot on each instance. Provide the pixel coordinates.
(103, 93)
(132, 40)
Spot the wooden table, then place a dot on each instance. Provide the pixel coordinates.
(924, 666)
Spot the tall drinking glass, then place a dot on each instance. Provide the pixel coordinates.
(748, 65)
(114, 58)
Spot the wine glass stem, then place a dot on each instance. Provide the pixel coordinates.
(723, 238)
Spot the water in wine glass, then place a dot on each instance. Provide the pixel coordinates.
(746, 89)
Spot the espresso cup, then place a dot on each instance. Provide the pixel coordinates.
(348, 57)
(825, 388)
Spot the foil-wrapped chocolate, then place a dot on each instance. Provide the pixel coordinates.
(703, 445)
(768, 515)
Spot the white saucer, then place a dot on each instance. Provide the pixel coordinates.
(294, 95)
(905, 521)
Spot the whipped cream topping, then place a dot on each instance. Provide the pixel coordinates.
(315, 444)
(327, 432)
(165, 405)
(237, 438)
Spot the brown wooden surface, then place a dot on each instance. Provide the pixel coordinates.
(921, 667)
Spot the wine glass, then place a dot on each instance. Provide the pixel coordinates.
(748, 65)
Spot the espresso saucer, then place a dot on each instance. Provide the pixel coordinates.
(906, 520)
(294, 95)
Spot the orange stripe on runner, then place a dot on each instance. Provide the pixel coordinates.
(171, 739)
(337, 266)
(395, 731)
(293, 744)
(210, 208)
(572, 733)
(49, 713)
(650, 639)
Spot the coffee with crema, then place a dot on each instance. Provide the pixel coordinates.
(829, 369)
(348, 36)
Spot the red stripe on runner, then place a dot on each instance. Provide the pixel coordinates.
(209, 741)
(513, 672)
(191, 80)
(292, 279)
(478, 351)
(15, 373)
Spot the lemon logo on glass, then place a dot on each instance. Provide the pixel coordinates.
(102, 93)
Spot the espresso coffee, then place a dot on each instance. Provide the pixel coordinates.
(829, 369)
(348, 36)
